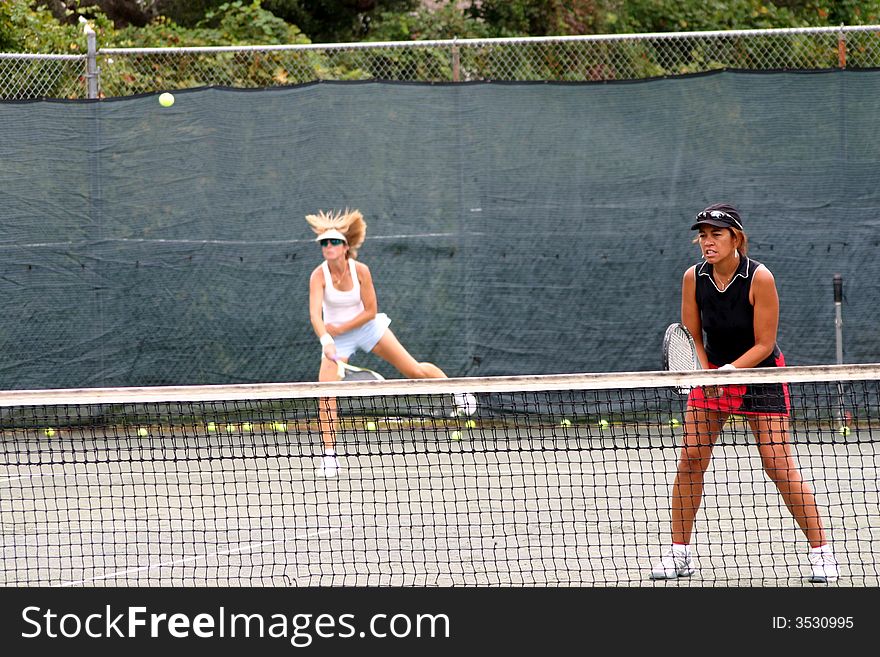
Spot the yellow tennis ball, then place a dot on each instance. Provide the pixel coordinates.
(674, 422)
(455, 435)
(143, 432)
(844, 430)
(471, 424)
(212, 427)
(603, 423)
(565, 422)
(279, 426)
(166, 99)
(49, 432)
(371, 426)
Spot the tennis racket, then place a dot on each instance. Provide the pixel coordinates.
(352, 373)
(679, 351)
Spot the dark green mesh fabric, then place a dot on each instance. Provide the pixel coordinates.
(512, 228)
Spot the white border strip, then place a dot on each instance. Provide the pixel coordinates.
(538, 383)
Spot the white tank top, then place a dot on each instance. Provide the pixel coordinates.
(339, 307)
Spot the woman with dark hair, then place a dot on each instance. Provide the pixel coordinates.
(732, 300)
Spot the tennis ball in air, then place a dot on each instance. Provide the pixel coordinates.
(49, 432)
(142, 431)
(212, 427)
(565, 422)
(674, 422)
(844, 430)
(371, 426)
(603, 423)
(455, 435)
(166, 99)
(471, 424)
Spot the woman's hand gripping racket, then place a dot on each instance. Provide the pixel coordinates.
(680, 352)
(351, 373)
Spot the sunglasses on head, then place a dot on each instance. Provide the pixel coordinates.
(718, 214)
(332, 241)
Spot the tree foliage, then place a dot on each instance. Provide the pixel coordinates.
(444, 22)
(46, 26)
(24, 28)
(540, 17)
(569, 17)
(332, 21)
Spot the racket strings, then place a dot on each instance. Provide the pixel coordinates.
(362, 376)
(681, 354)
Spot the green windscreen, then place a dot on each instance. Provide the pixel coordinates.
(512, 228)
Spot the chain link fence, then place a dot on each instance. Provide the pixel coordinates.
(114, 72)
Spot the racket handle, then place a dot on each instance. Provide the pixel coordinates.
(838, 288)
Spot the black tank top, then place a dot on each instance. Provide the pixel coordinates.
(727, 317)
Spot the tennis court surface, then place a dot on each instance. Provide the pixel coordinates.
(560, 480)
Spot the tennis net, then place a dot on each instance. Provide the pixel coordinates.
(560, 480)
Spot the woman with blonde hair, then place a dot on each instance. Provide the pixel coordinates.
(344, 313)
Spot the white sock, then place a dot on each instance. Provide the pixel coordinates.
(822, 548)
(678, 548)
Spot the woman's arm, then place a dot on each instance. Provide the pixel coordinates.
(690, 313)
(765, 302)
(316, 312)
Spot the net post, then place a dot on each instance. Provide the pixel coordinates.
(91, 59)
(838, 329)
(838, 319)
(456, 62)
(841, 48)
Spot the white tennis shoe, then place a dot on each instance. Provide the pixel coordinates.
(465, 404)
(674, 564)
(329, 467)
(824, 566)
